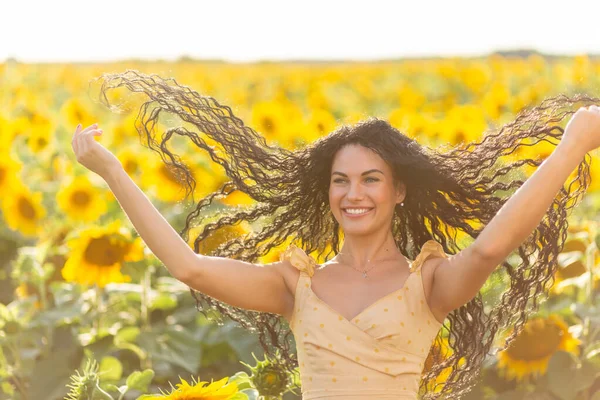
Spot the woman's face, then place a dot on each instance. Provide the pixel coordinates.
(360, 179)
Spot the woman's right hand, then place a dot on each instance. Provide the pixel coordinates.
(91, 154)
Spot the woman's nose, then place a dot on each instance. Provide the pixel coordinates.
(355, 192)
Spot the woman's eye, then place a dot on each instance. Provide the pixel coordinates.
(342, 180)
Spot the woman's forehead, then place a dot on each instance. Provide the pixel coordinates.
(357, 159)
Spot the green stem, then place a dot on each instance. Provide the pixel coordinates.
(145, 300)
(100, 309)
(145, 309)
(20, 387)
(17, 367)
(590, 300)
(48, 328)
(99, 393)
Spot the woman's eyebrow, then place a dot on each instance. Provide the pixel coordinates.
(364, 173)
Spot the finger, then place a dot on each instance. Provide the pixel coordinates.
(80, 140)
(93, 132)
(74, 138)
(93, 126)
(83, 146)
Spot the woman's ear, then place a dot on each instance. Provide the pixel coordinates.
(400, 192)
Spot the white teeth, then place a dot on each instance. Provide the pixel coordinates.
(356, 210)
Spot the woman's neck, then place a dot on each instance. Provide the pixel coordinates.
(362, 251)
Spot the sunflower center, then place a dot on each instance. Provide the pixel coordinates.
(267, 124)
(538, 340)
(434, 357)
(131, 166)
(80, 198)
(101, 252)
(26, 209)
(42, 142)
(168, 174)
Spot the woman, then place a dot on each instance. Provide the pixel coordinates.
(365, 321)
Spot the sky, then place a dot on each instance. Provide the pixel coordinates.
(266, 30)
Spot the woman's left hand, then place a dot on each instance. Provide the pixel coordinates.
(583, 129)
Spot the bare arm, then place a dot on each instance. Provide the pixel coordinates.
(155, 231)
(238, 283)
(458, 279)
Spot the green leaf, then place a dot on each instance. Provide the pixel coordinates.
(565, 378)
(241, 395)
(140, 380)
(128, 334)
(110, 368)
(7, 388)
(52, 374)
(164, 301)
(511, 395)
(251, 393)
(585, 376)
(242, 380)
(180, 348)
(561, 373)
(592, 350)
(112, 388)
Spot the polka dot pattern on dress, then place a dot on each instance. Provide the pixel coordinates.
(387, 342)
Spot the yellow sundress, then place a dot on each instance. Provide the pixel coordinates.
(379, 354)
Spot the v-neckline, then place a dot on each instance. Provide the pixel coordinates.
(367, 308)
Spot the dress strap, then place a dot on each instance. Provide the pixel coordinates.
(299, 259)
(431, 248)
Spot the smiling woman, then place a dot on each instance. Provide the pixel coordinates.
(418, 201)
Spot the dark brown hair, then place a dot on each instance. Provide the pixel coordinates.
(445, 190)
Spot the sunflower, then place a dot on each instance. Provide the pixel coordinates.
(575, 268)
(75, 112)
(131, 161)
(439, 352)
(528, 355)
(6, 138)
(125, 131)
(321, 122)
(219, 390)
(268, 119)
(81, 201)
(23, 210)
(9, 172)
(464, 123)
(169, 182)
(40, 133)
(98, 253)
(218, 237)
(237, 198)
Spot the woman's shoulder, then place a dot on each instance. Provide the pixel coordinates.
(430, 249)
(299, 259)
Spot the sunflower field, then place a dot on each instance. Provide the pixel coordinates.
(88, 312)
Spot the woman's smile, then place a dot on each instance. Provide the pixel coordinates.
(356, 212)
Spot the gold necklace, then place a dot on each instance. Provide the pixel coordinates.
(365, 271)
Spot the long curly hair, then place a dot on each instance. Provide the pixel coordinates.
(446, 192)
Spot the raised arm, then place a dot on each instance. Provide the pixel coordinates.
(238, 283)
(459, 278)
